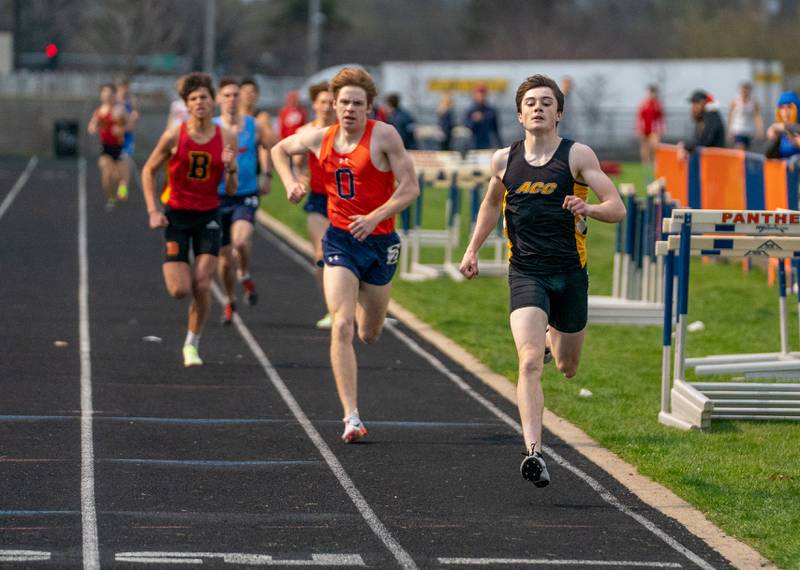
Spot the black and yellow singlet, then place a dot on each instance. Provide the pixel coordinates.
(543, 238)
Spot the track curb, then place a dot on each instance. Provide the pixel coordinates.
(648, 491)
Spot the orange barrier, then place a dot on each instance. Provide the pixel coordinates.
(722, 179)
(674, 171)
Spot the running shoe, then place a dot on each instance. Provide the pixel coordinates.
(353, 429)
(122, 192)
(110, 203)
(191, 356)
(227, 313)
(548, 355)
(250, 294)
(325, 322)
(534, 469)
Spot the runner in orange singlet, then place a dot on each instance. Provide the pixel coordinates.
(200, 155)
(369, 178)
(316, 205)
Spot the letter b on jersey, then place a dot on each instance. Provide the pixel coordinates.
(199, 165)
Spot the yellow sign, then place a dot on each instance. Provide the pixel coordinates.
(467, 85)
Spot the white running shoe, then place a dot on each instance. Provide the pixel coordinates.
(191, 357)
(353, 429)
(325, 322)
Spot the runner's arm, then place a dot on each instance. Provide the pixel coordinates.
(487, 215)
(157, 158)
(91, 128)
(586, 167)
(266, 140)
(229, 153)
(282, 153)
(407, 186)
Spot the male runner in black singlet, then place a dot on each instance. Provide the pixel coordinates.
(542, 183)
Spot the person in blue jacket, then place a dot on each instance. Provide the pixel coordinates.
(783, 136)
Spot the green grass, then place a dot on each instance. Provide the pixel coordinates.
(745, 476)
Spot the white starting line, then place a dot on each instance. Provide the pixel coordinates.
(237, 558)
(23, 555)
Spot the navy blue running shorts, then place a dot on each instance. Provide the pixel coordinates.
(316, 204)
(374, 260)
(235, 208)
(563, 296)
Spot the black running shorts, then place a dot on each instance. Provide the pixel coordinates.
(190, 230)
(563, 296)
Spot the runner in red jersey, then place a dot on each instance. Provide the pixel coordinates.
(199, 155)
(313, 176)
(362, 160)
(108, 122)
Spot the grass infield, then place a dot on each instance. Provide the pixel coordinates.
(745, 476)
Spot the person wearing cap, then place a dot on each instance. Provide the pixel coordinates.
(481, 119)
(709, 129)
(783, 135)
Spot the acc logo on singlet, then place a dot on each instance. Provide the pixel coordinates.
(199, 165)
(537, 188)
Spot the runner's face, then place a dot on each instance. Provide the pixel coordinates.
(323, 108)
(228, 99)
(539, 110)
(106, 95)
(248, 96)
(351, 107)
(199, 103)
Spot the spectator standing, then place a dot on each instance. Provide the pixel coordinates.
(444, 115)
(650, 125)
(708, 127)
(481, 119)
(744, 119)
(783, 136)
(402, 120)
(292, 116)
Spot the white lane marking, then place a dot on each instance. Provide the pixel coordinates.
(606, 495)
(238, 558)
(91, 551)
(552, 562)
(400, 554)
(23, 555)
(23, 178)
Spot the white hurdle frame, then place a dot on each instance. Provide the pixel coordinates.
(691, 405)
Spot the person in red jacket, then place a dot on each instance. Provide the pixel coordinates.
(292, 116)
(199, 155)
(649, 125)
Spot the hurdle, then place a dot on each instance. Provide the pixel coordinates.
(692, 405)
(439, 170)
(635, 298)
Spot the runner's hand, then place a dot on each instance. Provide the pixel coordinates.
(228, 155)
(157, 219)
(361, 227)
(575, 205)
(264, 184)
(469, 265)
(295, 191)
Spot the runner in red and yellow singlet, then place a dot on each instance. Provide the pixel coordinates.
(108, 122)
(200, 155)
(369, 178)
(316, 205)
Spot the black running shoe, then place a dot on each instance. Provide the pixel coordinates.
(534, 469)
(548, 355)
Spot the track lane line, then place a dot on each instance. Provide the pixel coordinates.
(21, 181)
(361, 504)
(91, 548)
(605, 494)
